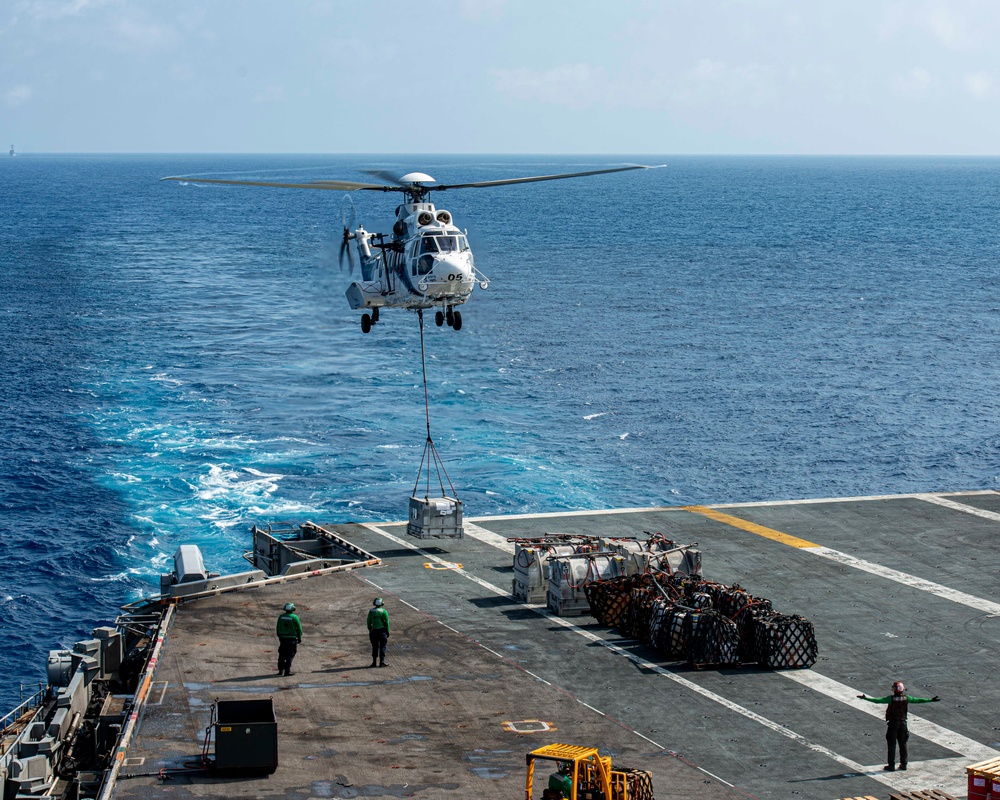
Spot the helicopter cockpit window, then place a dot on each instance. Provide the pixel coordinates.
(448, 244)
(427, 245)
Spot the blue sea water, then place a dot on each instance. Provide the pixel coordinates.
(179, 361)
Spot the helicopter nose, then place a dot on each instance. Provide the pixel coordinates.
(451, 270)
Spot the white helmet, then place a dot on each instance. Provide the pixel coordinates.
(378, 602)
(289, 606)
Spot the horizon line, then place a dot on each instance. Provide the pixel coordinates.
(489, 154)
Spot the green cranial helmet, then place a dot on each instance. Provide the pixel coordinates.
(289, 606)
(378, 602)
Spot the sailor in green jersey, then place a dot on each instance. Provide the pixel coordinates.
(895, 717)
(289, 630)
(561, 782)
(378, 631)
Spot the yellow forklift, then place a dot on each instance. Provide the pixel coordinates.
(583, 774)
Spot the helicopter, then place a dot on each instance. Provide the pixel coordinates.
(426, 261)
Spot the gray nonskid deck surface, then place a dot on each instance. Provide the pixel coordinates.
(773, 734)
(787, 734)
(429, 725)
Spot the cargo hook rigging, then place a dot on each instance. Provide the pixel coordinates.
(430, 456)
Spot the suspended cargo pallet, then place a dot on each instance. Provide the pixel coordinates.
(435, 517)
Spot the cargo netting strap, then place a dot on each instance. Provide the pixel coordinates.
(430, 456)
(703, 622)
(639, 782)
(785, 642)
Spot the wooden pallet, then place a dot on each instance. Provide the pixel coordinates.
(991, 768)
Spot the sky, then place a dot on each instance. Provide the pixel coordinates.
(910, 77)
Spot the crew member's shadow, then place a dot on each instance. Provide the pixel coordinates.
(362, 668)
(275, 675)
(248, 678)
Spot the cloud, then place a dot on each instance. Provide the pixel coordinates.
(271, 94)
(482, 9)
(572, 85)
(946, 26)
(706, 83)
(135, 33)
(18, 95)
(957, 27)
(742, 84)
(58, 9)
(978, 84)
(183, 72)
(917, 82)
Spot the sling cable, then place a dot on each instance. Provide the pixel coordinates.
(430, 457)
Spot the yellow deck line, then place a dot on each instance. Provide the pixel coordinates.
(750, 527)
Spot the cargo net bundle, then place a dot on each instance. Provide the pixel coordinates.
(635, 784)
(703, 622)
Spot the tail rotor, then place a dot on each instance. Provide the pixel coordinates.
(347, 217)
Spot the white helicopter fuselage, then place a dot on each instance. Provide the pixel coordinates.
(427, 263)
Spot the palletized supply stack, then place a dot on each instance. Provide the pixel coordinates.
(568, 595)
(656, 554)
(984, 780)
(531, 562)
(569, 577)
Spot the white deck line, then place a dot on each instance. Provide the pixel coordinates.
(947, 503)
(861, 499)
(488, 537)
(889, 779)
(955, 596)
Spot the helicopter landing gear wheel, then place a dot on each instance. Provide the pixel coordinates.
(450, 317)
(457, 323)
(438, 318)
(366, 323)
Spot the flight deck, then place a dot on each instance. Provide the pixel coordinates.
(901, 587)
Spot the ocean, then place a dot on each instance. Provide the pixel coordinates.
(179, 361)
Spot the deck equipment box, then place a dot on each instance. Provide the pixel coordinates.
(246, 737)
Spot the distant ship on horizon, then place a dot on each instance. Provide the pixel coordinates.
(12, 150)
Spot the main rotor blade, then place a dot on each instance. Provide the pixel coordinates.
(385, 175)
(350, 186)
(509, 181)
(342, 186)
